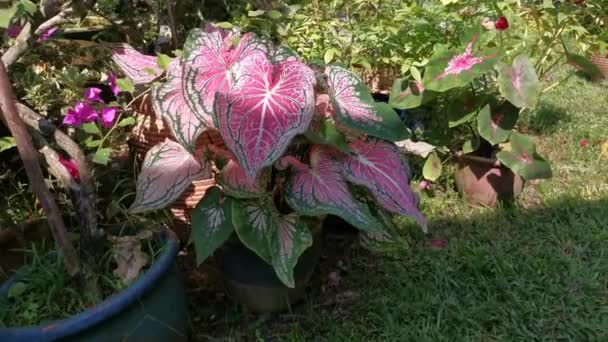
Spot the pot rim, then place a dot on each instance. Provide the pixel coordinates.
(492, 162)
(101, 312)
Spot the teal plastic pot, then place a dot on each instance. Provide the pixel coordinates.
(153, 308)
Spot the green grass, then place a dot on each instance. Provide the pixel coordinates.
(534, 270)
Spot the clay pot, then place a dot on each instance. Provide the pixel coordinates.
(149, 131)
(601, 62)
(485, 182)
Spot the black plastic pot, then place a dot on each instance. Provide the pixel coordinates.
(253, 283)
(153, 308)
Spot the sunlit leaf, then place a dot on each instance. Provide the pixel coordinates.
(518, 83)
(523, 159)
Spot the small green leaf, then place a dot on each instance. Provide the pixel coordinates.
(415, 73)
(90, 142)
(102, 156)
(274, 14)
(329, 55)
(432, 167)
(362, 62)
(125, 85)
(523, 159)
(127, 122)
(16, 290)
(548, 4)
(28, 6)
(91, 128)
(495, 121)
(6, 15)
(470, 146)
(7, 143)
(224, 25)
(408, 94)
(256, 13)
(328, 134)
(177, 52)
(163, 61)
(149, 71)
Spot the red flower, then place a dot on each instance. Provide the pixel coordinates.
(71, 166)
(583, 143)
(501, 24)
(437, 244)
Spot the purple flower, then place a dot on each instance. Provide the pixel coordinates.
(108, 115)
(92, 94)
(81, 113)
(47, 34)
(14, 30)
(112, 84)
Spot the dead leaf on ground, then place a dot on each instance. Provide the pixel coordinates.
(129, 257)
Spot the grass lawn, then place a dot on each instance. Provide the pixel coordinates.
(535, 270)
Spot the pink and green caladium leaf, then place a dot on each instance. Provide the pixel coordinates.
(377, 165)
(321, 189)
(407, 95)
(171, 104)
(463, 108)
(523, 159)
(235, 182)
(447, 69)
(139, 68)
(211, 223)
(167, 171)
(518, 83)
(212, 64)
(356, 109)
(255, 223)
(496, 120)
(287, 244)
(271, 104)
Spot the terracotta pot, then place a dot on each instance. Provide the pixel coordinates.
(482, 181)
(601, 62)
(149, 131)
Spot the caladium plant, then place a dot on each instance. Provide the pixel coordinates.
(485, 90)
(299, 142)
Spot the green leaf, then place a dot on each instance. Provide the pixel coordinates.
(463, 108)
(432, 167)
(548, 4)
(362, 62)
(6, 15)
(7, 143)
(470, 146)
(127, 122)
(90, 142)
(255, 222)
(416, 74)
(274, 14)
(256, 13)
(163, 61)
(102, 156)
(495, 121)
(329, 55)
(287, 244)
(523, 159)
(224, 25)
(406, 94)
(125, 85)
(28, 6)
(212, 222)
(518, 83)
(16, 290)
(91, 128)
(328, 134)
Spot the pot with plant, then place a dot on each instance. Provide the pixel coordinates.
(301, 143)
(479, 93)
(110, 285)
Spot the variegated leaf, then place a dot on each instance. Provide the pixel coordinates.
(211, 223)
(171, 104)
(377, 165)
(270, 105)
(356, 109)
(139, 68)
(211, 66)
(496, 120)
(518, 83)
(321, 189)
(255, 223)
(290, 240)
(167, 171)
(235, 182)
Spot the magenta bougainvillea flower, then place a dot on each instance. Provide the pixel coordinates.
(112, 84)
(108, 115)
(71, 166)
(501, 24)
(463, 62)
(81, 113)
(47, 34)
(13, 30)
(92, 94)
(424, 185)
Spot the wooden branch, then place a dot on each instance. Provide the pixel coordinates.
(29, 157)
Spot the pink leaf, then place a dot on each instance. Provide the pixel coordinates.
(167, 171)
(211, 61)
(235, 182)
(378, 165)
(139, 68)
(171, 104)
(270, 105)
(321, 189)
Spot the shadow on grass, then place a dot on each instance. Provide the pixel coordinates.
(545, 119)
(509, 274)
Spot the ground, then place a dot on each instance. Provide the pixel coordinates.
(533, 270)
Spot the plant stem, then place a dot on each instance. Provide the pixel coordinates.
(29, 155)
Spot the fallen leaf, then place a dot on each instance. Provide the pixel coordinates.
(604, 149)
(129, 257)
(418, 148)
